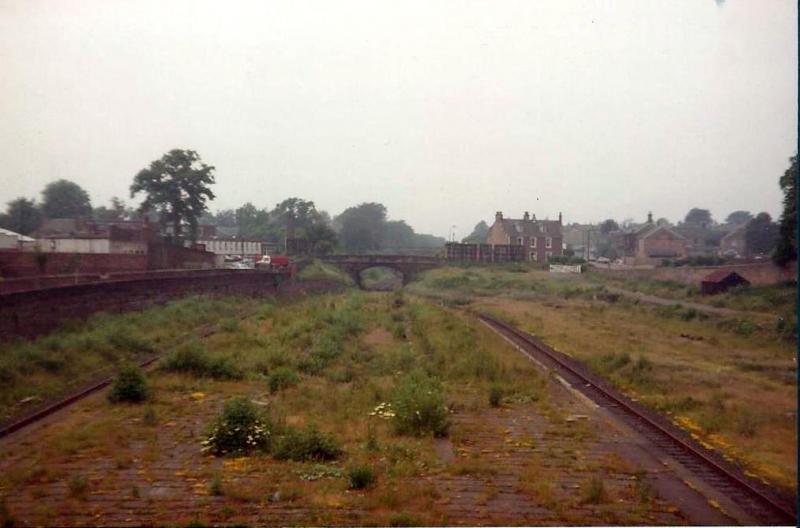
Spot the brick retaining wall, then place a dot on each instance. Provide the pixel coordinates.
(29, 263)
(32, 313)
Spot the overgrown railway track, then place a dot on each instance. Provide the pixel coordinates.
(760, 501)
(96, 385)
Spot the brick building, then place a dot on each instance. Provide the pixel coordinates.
(649, 244)
(541, 239)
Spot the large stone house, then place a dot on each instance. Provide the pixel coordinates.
(541, 239)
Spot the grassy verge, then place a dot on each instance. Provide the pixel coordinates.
(318, 270)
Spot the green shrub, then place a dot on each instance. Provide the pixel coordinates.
(281, 378)
(361, 476)
(307, 444)
(402, 519)
(495, 395)
(129, 386)
(419, 406)
(240, 428)
(192, 358)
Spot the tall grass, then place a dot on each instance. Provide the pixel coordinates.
(49, 366)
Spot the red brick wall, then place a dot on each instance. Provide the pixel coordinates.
(25, 263)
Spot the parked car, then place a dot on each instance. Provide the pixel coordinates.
(237, 265)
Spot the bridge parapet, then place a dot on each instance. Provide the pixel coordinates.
(406, 265)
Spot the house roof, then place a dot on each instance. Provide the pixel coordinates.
(721, 275)
(522, 227)
(23, 238)
(655, 229)
(736, 231)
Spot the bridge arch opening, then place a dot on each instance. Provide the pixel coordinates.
(380, 278)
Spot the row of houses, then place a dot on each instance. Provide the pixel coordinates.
(650, 242)
(76, 235)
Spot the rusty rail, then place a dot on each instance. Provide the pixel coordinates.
(639, 413)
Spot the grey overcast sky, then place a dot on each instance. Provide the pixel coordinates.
(444, 111)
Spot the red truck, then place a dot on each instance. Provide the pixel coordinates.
(274, 262)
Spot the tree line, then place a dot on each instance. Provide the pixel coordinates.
(177, 190)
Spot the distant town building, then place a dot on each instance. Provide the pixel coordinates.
(12, 240)
(77, 235)
(541, 239)
(649, 244)
(734, 244)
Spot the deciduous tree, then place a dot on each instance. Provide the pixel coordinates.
(22, 216)
(478, 235)
(761, 235)
(738, 218)
(698, 216)
(363, 227)
(177, 186)
(786, 250)
(65, 199)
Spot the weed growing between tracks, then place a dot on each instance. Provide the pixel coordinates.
(729, 381)
(336, 374)
(32, 372)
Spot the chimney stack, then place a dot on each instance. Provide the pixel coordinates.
(498, 216)
(526, 216)
(559, 217)
(650, 217)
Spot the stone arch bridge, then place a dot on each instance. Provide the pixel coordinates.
(406, 265)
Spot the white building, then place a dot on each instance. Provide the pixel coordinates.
(12, 240)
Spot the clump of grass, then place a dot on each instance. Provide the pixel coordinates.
(595, 492)
(402, 519)
(372, 439)
(150, 418)
(281, 378)
(215, 486)
(123, 338)
(77, 486)
(496, 393)
(239, 429)
(741, 327)
(644, 489)
(419, 406)
(361, 476)
(129, 386)
(192, 358)
(308, 444)
(229, 325)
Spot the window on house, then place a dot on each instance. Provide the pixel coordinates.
(548, 254)
(548, 242)
(533, 242)
(519, 241)
(534, 256)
